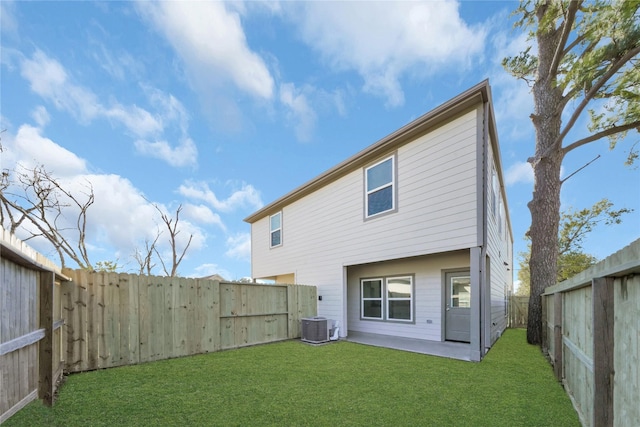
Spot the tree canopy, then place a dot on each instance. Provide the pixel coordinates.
(574, 228)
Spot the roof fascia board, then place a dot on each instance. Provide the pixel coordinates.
(438, 116)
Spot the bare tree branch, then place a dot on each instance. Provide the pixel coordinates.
(172, 226)
(144, 260)
(40, 199)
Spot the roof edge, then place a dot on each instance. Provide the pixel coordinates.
(477, 94)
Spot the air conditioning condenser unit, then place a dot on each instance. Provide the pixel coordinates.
(316, 329)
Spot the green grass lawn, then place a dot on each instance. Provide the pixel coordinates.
(294, 384)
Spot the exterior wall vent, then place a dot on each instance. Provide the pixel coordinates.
(315, 330)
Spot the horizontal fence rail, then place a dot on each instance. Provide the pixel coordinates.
(591, 333)
(76, 320)
(121, 319)
(30, 327)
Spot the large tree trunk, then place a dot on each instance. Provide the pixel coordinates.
(545, 217)
(545, 205)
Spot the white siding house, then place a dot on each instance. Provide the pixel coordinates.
(410, 237)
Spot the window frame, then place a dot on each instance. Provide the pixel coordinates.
(393, 184)
(385, 299)
(494, 191)
(363, 299)
(389, 299)
(450, 296)
(501, 215)
(272, 230)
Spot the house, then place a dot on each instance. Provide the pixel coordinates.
(409, 238)
(216, 276)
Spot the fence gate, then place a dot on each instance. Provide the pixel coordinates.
(518, 311)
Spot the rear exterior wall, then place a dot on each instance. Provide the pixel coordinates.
(428, 281)
(325, 231)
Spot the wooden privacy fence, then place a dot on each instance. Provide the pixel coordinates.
(121, 319)
(31, 343)
(83, 321)
(591, 332)
(518, 311)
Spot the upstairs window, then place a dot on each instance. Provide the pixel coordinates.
(501, 217)
(379, 184)
(494, 192)
(275, 229)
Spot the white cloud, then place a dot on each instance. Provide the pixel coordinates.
(184, 154)
(519, 172)
(137, 120)
(29, 148)
(515, 103)
(381, 41)
(202, 214)
(8, 22)
(246, 196)
(120, 217)
(41, 116)
(169, 108)
(239, 246)
(119, 66)
(211, 42)
(49, 79)
(300, 115)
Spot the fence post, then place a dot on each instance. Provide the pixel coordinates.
(603, 349)
(557, 335)
(45, 347)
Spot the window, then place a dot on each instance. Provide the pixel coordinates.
(494, 191)
(388, 298)
(399, 291)
(371, 299)
(501, 216)
(460, 292)
(379, 184)
(276, 229)
(506, 300)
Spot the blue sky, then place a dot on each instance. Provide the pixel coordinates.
(224, 107)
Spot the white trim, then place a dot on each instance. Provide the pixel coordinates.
(494, 192)
(385, 299)
(410, 299)
(450, 296)
(363, 299)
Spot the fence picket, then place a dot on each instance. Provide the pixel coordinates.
(119, 319)
(123, 318)
(172, 290)
(133, 355)
(144, 318)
